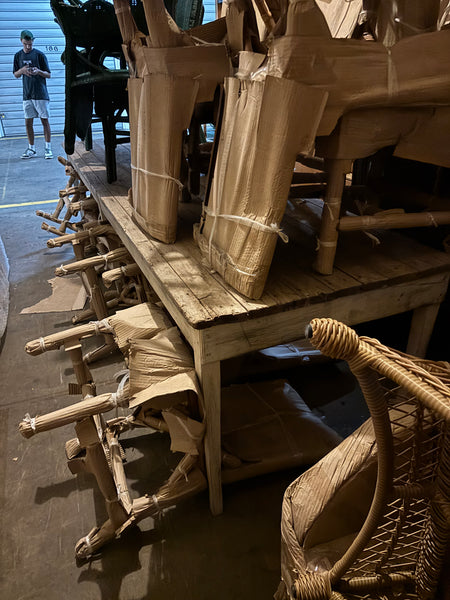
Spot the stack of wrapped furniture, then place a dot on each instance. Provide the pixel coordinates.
(170, 73)
(344, 86)
(371, 520)
(96, 91)
(265, 426)
(378, 96)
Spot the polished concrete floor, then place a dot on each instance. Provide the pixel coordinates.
(185, 554)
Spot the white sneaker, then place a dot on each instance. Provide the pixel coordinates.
(48, 153)
(29, 153)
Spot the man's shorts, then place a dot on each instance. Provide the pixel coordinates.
(36, 108)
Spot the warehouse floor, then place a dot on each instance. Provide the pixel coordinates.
(184, 554)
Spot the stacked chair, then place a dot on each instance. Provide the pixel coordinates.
(108, 273)
(159, 390)
(95, 68)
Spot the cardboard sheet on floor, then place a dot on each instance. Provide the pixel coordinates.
(68, 294)
(265, 125)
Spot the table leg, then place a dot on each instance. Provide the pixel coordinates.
(209, 377)
(422, 326)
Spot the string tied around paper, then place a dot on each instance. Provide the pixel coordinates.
(100, 326)
(195, 438)
(431, 218)
(271, 228)
(156, 503)
(182, 471)
(87, 543)
(63, 269)
(120, 491)
(118, 396)
(31, 421)
(161, 175)
(392, 80)
(42, 345)
(321, 244)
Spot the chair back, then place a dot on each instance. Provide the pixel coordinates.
(404, 538)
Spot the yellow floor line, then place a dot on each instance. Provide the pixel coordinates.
(27, 203)
(24, 137)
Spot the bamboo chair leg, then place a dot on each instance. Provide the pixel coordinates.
(78, 250)
(328, 236)
(98, 466)
(83, 375)
(88, 314)
(100, 307)
(55, 231)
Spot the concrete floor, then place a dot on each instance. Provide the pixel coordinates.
(185, 554)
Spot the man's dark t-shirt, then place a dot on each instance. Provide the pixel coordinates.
(34, 87)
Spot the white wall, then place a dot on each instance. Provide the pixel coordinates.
(38, 17)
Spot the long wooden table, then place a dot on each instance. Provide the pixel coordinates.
(369, 282)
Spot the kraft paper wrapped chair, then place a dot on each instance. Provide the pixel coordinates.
(369, 83)
(88, 269)
(74, 199)
(372, 519)
(171, 71)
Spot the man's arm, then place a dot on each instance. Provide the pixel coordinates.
(37, 71)
(22, 71)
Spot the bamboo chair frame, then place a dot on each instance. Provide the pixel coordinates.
(96, 448)
(74, 199)
(401, 545)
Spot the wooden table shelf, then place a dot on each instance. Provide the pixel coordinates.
(368, 283)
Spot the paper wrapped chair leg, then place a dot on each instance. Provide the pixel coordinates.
(372, 519)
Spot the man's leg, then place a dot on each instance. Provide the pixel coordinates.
(30, 131)
(47, 130)
(31, 150)
(47, 136)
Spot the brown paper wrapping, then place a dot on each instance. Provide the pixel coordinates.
(269, 419)
(165, 109)
(142, 322)
(186, 435)
(360, 74)
(265, 125)
(161, 370)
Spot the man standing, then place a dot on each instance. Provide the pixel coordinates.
(32, 66)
